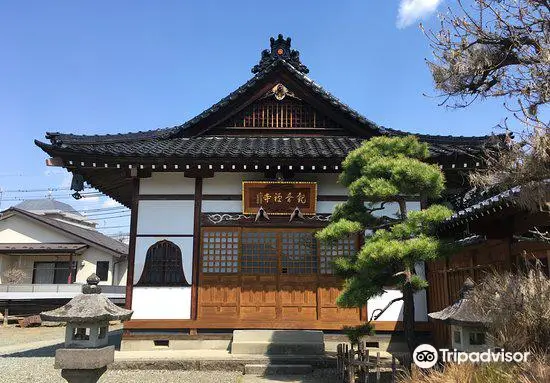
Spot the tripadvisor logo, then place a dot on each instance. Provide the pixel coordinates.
(426, 356)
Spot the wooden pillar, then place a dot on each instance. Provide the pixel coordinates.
(132, 245)
(196, 248)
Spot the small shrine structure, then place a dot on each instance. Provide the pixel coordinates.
(468, 324)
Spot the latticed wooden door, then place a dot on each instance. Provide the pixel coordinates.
(270, 278)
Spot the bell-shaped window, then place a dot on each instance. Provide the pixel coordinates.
(163, 266)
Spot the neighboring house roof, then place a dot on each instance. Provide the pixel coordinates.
(486, 206)
(46, 204)
(90, 237)
(18, 248)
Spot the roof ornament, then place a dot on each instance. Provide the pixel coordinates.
(296, 214)
(280, 91)
(280, 50)
(261, 214)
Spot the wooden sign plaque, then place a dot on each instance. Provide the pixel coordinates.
(279, 197)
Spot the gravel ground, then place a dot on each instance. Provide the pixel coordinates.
(26, 355)
(16, 335)
(40, 370)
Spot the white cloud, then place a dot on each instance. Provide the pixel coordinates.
(414, 10)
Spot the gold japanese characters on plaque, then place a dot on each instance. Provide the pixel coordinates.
(279, 198)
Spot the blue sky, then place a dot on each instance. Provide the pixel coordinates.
(108, 67)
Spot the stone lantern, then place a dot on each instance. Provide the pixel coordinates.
(86, 353)
(468, 324)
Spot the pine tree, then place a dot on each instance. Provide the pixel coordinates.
(385, 170)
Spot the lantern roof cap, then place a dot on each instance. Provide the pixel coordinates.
(463, 312)
(89, 307)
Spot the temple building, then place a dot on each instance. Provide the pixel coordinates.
(225, 206)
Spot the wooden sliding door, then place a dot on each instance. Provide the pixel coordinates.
(261, 278)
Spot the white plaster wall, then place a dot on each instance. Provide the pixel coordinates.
(228, 183)
(161, 303)
(121, 273)
(222, 206)
(394, 313)
(16, 229)
(87, 265)
(184, 243)
(165, 217)
(326, 183)
(326, 207)
(167, 183)
(391, 209)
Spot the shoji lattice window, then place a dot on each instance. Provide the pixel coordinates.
(163, 266)
(259, 252)
(220, 252)
(298, 253)
(288, 113)
(328, 252)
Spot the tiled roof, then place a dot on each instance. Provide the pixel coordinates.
(41, 247)
(443, 145)
(88, 236)
(47, 204)
(489, 205)
(262, 147)
(492, 204)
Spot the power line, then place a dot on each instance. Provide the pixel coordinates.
(30, 175)
(106, 213)
(112, 227)
(100, 209)
(104, 218)
(39, 190)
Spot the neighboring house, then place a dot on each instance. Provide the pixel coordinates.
(47, 249)
(216, 240)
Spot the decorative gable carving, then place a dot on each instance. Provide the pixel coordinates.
(279, 109)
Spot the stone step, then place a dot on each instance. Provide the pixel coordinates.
(277, 369)
(278, 342)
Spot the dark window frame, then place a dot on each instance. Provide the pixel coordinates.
(163, 266)
(57, 271)
(97, 271)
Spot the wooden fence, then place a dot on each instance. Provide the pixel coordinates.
(358, 365)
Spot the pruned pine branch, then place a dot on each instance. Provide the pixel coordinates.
(378, 312)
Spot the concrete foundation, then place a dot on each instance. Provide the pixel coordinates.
(174, 344)
(278, 342)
